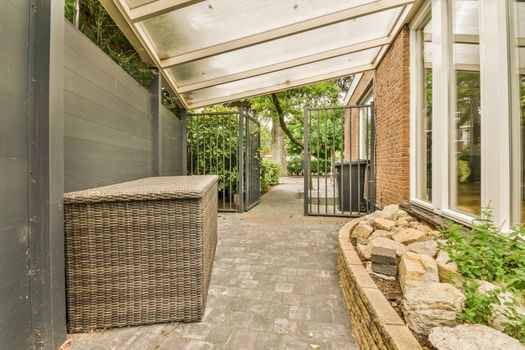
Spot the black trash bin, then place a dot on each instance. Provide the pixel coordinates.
(351, 194)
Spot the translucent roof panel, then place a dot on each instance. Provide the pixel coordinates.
(212, 51)
(137, 3)
(210, 23)
(331, 37)
(281, 79)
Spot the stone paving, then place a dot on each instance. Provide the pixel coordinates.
(274, 286)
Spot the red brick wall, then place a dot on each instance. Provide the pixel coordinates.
(391, 82)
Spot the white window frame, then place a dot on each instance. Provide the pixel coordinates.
(515, 123)
(415, 96)
(364, 114)
(495, 103)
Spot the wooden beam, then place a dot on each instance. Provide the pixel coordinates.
(282, 86)
(318, 22)
(287, 64)
(157, 8)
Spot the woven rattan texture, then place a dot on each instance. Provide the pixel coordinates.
(139, 261)
(152, 188)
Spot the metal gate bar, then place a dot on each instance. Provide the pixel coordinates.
(252, 160)
(226, 144)
(339, 156)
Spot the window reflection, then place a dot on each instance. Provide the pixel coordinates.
(466, 120)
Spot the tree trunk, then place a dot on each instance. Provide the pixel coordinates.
(278, 152)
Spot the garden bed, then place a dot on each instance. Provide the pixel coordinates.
(424, 290)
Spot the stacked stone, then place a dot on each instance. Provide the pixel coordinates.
(384, 261)
(397, 246)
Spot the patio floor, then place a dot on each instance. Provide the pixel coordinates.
(274, 286)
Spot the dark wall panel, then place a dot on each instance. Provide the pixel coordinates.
(15, 322)
(170, 143)
(107, 131)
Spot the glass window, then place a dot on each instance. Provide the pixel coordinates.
(465, 182)
(424, 114)
(519, 99)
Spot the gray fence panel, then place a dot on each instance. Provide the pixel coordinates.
(170, 143)
(107, 131)
(15, 331)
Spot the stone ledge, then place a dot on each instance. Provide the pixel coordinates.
(376, 324)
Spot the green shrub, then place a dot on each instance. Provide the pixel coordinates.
(486, 253)
(478, 307)
(294, 166)
(270, 174)
(317, 166)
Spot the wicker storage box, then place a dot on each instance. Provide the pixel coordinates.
(140, 252)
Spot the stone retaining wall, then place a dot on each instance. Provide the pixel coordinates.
(375, 323)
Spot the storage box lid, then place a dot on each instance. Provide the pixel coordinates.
(151, 188)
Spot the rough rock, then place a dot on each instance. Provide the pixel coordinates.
(443, 257)
(426, 247)
(431, 305)
(388, 270)
(384, 224)
(407, 218)
(447, 270)
(415, 269)
(377, 274)
(503, 308)
(380, 233)
(396, 229)
(361, 233)
(390, 212)
(424, 228)
(384, 256)
(361, 249)
(471, 337)
(402, 213)
(385, 243)
(434, 234)
(402, 222)
(410, 236)
(351, 225)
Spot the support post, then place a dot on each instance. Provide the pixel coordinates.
(156, 101)
(46, 173)
(240, 162)
(184, 148)
(306, 160)
(372, 175)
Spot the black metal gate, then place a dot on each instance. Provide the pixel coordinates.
(226, 144)
(339, 156)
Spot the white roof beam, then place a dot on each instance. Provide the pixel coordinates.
(282, 86)
(157, 8)
(394, 31)
(318, 22)
(287, 64)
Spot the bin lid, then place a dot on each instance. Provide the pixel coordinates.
(353, 162)
(151, 188)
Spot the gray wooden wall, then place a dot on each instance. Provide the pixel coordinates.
(15, 332)
(107, 130)
(170, 143)
(107, 138)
